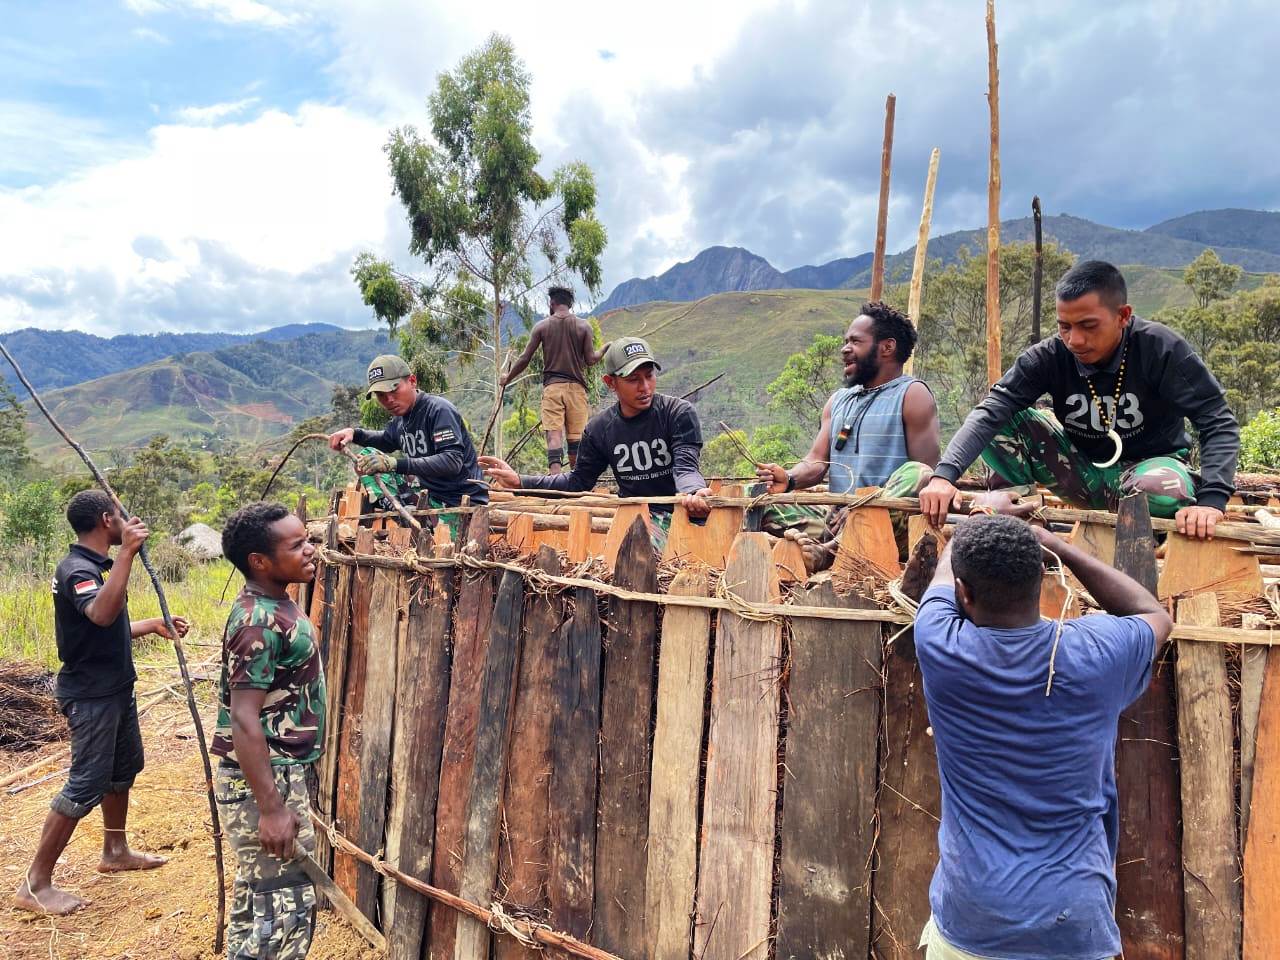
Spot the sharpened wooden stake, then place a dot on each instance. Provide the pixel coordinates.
(994, 366)
(922, 247)
(882, 216)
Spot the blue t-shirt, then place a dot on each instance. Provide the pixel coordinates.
(1027, 845)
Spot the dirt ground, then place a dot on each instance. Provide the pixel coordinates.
(165, 913)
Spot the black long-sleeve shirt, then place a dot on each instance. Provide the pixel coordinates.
(653, 454)
(1165, 384)
(435, 447)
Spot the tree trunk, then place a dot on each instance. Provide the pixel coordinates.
(497, 365)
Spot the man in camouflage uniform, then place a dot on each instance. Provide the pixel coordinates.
(269, 732)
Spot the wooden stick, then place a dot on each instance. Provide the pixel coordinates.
(342, 903)
(994, 366)
(922, 246)
(1037, 277)
(506, 924)
(882, 216)
(173, 633)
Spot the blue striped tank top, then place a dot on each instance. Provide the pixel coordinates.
(876, 443)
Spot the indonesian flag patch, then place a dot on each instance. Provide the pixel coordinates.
(85, 586)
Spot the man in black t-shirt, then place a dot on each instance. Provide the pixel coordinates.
(652, 442)
(95, 693)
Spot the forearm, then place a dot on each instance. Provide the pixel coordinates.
(141, 628)
(1117, 593)
(518, 367)
(806, 473)
(373, 438)
(942, 575)
(982, 424)
(447, 463)
(574, 481)
(250, 745)
(686, 471)
(1219, 452)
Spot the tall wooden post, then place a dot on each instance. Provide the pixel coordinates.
(882, 217)
(922, 247)
(993, 203)
(1037, 279)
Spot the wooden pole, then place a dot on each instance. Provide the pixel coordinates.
(993, 203)
(882, 217)
(1037, 278)
(922, 246)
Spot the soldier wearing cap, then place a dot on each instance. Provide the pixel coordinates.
(652, 442)
(427, 430)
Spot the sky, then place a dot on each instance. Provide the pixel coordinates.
(194, 165)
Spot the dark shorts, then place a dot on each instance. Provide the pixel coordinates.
(106, 750)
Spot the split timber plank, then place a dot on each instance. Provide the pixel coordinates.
(1149, 897)
(829, 796)
(555, 539)
(677, 748)
(788, 561)
(910, 809)
(1194, 566)
(337, 635)
(472, 615)
(735, 878)
(622, 832)
(1262, 849)
(1210, 854)
(867, 537)
(489, 770)
(1096, 539)
(441, 537)
(422, 699)
(520, 532)
(917, 526)
(522, 861)
(1052, 596)
(345, 868)
(579, 547)
(621, 526)
(1253, 668)
(575, 734)
(378, 721)
(710, 541)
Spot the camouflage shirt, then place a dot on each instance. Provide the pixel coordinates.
(269, 644)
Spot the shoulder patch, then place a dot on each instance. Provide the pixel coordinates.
(85, 586)
(444, 435)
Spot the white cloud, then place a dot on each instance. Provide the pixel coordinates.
(215, 112)
(226, 11)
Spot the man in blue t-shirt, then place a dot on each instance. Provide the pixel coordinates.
(1025, 727)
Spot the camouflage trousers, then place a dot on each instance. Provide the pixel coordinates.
(823, 524)
(1034, 449)
(273, 903)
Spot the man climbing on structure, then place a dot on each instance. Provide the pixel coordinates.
(435, 447)
(1121, 388)
(1025, 724)
(95, 693)
(652, 442)
(568, 349)
(270, 730)
(879, 430)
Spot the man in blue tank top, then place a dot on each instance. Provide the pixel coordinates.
(879, 430)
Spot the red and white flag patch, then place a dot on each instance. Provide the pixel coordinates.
(85, 586)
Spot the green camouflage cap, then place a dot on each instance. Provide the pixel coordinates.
(626, 355)
(386, 372)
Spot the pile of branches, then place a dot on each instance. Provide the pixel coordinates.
(28, 714)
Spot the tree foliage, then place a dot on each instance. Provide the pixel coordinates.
(807, 380)
(15, 455)
(1210, 279)
(30, 521)
(1260, 442)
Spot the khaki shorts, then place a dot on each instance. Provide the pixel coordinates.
(939, 948)
(564, 407)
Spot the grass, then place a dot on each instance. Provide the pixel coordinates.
(26, 612)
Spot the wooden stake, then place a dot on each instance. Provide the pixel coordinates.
(1262, 847)
(922, 247)
(882, 216)
(1037, 277)
(994, 367)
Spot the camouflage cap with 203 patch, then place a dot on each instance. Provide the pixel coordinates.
(386, 372)
(626, 355)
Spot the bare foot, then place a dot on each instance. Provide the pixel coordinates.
(50, 901)
(129, 860)
(817, 556)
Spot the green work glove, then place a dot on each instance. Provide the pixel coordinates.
(375, 461)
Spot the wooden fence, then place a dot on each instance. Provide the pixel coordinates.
(686, 779)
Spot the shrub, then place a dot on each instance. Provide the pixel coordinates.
(1260, 442)
(172, 560)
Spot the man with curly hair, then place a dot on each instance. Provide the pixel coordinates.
(270, 729)
(1024, 720)
(879, 430)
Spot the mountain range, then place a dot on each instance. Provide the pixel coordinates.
(1249, 238)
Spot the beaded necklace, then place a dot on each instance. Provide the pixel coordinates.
(1110, 424)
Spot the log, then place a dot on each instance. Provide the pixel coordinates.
(572, 792)
(472, 617)
(910, 809)
(522, 861)
(922, 247)
(622, 832)
(1262, 849)
(422, 698)
(882, 213)
(489, 768)
(673, 796)
(377, 722)
(345, 869)
(995, 365)
(1149, 896)
(1210, 855)
(829, 796)
(738, 809)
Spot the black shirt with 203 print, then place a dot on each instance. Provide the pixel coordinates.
(96, 661)
(1165, 383)
(435, 447)
(653, 454)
